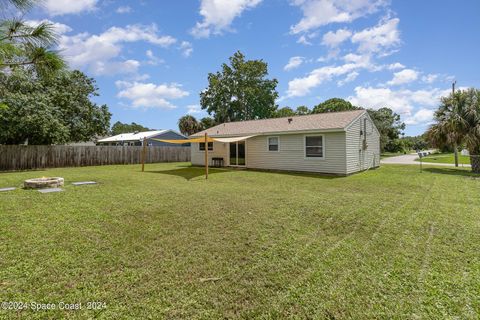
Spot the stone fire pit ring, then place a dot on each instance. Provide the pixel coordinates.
(44, 182)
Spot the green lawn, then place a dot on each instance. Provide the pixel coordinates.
(386, 243)
(445, 158)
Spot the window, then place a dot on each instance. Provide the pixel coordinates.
(273, 143)
(314, 146)
(201, 146)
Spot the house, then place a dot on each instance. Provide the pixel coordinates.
(137, 138)
(91, 143)
(339, 143)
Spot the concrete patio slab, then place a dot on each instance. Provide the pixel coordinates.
(81, 183)
(50, 190)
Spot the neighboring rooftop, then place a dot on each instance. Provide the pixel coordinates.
(320, 121)
(133, 136)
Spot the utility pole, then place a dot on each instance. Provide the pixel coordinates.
(455, 147)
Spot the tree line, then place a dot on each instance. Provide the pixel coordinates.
(242, 91)
(41, 100)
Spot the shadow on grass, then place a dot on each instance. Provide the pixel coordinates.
(453, 171)
(192, 172)
(189, 172)
(299, 174)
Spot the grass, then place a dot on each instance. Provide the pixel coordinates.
(445, 158)
(386, 243)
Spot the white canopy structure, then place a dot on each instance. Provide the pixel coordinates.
(234, 139)
(206, 139)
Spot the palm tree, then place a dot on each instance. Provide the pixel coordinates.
(188, 125)
(206, 122)
(446, 130)
(471, 125)
(458, 121)
(19, 4)
(22, 45)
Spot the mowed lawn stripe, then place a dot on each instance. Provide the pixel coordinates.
(453, 265)
(342, 279)
(394, 241)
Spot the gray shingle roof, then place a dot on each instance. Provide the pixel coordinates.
(321, 121)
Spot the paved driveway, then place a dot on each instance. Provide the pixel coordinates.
(410, 159)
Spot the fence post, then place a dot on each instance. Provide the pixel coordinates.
(144, 153)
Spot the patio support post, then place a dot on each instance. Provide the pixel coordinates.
(206, 156)
(144, 153)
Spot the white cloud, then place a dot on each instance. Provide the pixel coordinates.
(132, 33)
(372, 42)
(317, 13)
(430, 78)
(218, 15)
(152, 59)
(301, 86)
(140, 77)
(149, 53)
(383, 36)
(400, 101)
(333, 39)
(422, 116)
(95, 52)
(186, 48)
(150, 95)
(332, 54)
(59, 28)
(293, 63)
(363, 61)
(116, 67)
(193, 108)
(61, 7)
(395, 66)
(304, 40)
(123, 9)
(402, 77)
(349, 78)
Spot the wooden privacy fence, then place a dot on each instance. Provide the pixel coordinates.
(36, 157)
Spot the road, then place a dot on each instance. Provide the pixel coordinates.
(410, 159)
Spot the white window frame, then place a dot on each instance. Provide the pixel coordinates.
(268, 143)
(305, 147)
(209, 150)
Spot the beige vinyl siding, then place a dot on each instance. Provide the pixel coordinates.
(357, 158)
(291, 154)
(343, 152)
(220, 150)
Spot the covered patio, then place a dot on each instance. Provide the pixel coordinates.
(236, 148)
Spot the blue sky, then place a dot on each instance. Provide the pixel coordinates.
(151, 58)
